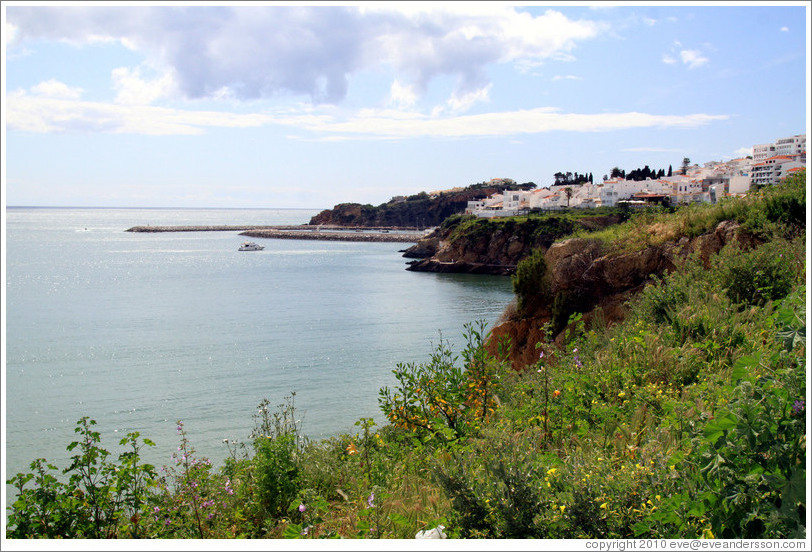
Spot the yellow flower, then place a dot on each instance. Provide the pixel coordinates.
(551, 471)
(621, 394)
(562, 507)
(351, 449)
(603, 506)
(657, 497)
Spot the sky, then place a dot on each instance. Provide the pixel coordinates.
(304, 105)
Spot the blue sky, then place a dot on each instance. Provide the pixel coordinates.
(307, 106)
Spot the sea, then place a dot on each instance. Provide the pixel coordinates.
(138, 331)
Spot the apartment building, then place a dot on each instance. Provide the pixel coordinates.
(792, 145)
(774, 169)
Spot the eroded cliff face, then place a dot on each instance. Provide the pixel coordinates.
(584, 279)
(489, 247)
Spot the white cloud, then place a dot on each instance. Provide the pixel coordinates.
(693, 58)
(402, 96)
(55, 89)
(31, 113)
(10, 34)
(134, 90)
(785, 29)
(374, 124)
(566, 77)
(254, 51)
(459, 103)
(744, 151)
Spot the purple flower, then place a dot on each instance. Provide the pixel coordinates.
(157, 509)
(798, 408)
(578, 361)
(541, 356)
(371, 500)
(302, 508)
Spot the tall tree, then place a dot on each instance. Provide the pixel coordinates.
(685, 164)
(670, 173)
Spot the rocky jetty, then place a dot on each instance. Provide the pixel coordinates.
(303, 232)
(318, 233)
(153, 229)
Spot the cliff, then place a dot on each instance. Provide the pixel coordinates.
(417, 211)
(574, 275)
(495, 246)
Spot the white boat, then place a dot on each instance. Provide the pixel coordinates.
(251, 246)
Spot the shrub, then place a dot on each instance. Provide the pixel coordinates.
(531, 283)
(442, 398)
(101, 499)
(755, 277)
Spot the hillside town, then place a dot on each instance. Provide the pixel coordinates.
(769, 164)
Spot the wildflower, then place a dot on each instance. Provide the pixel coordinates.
(302, 508)
(225, 441)
(371, 500)
(604, 506)
(551, 471)
(578, 362)
(157, 509)
(351, 449)
(621, 394)
(556, 393)
(562, 507)
(798, 407)
(541, 356)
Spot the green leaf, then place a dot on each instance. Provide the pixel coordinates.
(795, 489)
(293, 531)
(743, 367)
(398, 519)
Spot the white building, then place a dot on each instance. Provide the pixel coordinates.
(774, 169)
(793, 145)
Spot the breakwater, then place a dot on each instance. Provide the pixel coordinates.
(303, 232)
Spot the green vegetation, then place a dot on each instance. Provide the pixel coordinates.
(543, 228)
(774, 211)
(685, 420)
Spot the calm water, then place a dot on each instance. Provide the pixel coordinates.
(140, 330)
